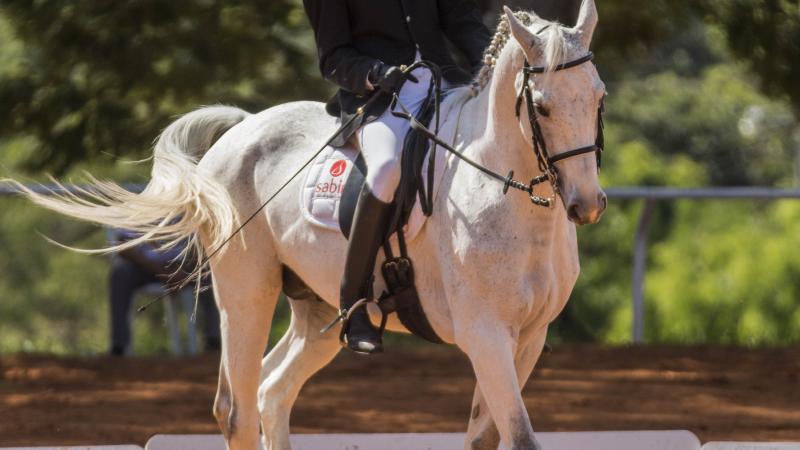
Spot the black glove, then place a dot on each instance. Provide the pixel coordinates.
(389, 79)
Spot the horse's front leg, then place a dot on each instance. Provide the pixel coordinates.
(482, 433)
(492, 349)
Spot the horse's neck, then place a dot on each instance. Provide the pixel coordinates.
(489, 133)
(493, 137)
(497, 136)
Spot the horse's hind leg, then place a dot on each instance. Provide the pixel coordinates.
(300, 353)
(246, 284)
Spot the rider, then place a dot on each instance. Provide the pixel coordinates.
(361, 46)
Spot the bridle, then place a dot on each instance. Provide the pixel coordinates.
(545, 161)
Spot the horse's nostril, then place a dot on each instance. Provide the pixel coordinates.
(603, 201)
(573, 213)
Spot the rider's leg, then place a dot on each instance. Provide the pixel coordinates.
(372, 212)
(381, 144)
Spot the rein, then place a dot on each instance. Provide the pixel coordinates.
(545, 161)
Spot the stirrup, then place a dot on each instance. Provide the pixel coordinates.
(344, 318)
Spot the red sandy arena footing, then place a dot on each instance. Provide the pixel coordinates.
(719, 394)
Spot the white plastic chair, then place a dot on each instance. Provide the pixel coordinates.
(180, 302)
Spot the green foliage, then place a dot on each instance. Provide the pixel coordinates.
(628, 32)
(766, 34)
(601, 299)
(101, 78)
(717, 119)
(717, 271)
(742, 275)
(51, 300)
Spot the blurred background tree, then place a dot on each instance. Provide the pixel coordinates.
(98, 79)
(765, 34)
(701, 93)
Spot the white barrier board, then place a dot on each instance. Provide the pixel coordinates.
(79, 447)
(603, 440)
(752, 446)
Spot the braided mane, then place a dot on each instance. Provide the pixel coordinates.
(554, 51)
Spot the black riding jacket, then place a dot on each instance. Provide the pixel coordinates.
(352, 35)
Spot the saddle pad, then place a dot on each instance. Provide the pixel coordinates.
(324, 185)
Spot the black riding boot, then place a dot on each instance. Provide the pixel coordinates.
(366, 236)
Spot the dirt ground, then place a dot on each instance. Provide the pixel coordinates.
(718, 393)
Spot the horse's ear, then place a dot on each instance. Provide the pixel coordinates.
(587, 21)
(530, 42)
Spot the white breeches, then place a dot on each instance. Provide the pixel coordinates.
(382, 139)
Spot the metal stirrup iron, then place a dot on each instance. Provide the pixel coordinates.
(344, 318)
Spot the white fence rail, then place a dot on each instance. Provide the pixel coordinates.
(650, 195)
(581, 440)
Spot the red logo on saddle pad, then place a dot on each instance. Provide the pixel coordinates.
(338, 167)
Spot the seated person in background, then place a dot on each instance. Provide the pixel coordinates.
(134, 268)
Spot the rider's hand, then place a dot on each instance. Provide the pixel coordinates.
(388, 78)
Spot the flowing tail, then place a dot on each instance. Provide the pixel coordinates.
(179, 200)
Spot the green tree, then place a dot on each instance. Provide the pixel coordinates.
(765, 34)
(726, 281)
(689, 125)
(100, 78)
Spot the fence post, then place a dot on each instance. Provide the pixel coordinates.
(640, 267)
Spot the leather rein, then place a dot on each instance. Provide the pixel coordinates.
(545, 162)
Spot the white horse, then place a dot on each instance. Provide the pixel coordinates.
(493, 270)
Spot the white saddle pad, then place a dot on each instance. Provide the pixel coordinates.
(324, 185)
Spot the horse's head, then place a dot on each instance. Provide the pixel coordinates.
(566, 98)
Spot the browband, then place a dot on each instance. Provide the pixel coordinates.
(588, 57)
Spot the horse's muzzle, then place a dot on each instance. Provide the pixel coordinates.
(586, 212)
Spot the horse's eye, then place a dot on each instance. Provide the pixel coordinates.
(544, 112)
